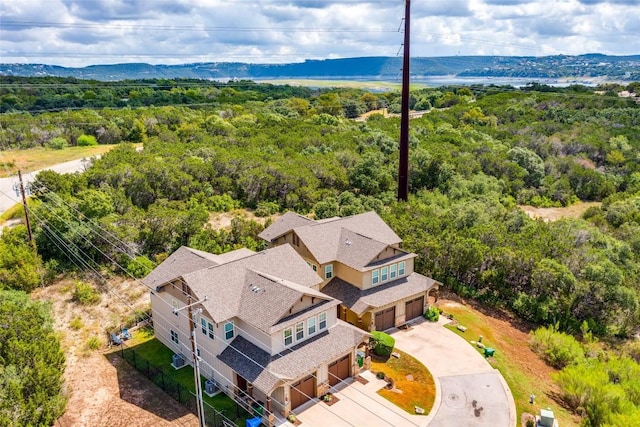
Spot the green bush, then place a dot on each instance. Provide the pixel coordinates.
(383, 343)
(267, 208)
(139, 266)
(57, 143)
(432, 314)
(556, 348)
(85, 294)
(76, 323)
(87, 141)
(381, 375)
(93, 343)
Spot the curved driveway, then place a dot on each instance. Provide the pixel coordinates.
(469, 391)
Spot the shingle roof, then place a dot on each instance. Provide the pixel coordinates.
(184, 260)
(266, 372)
(354, 241)
(360, 301)
(286, 222)
(279, 273)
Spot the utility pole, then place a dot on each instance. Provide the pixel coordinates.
(26, 209)
(193, 327)
(403, 166)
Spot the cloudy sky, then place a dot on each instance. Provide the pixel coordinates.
(84, 32)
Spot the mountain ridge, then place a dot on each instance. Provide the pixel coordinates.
(592, 65)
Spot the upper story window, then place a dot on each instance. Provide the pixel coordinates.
(375, 277)
(229, 331)
(288, 337)
(328, 271)
(206, 327)
(299, 331)
(384, 274)
(401, 268)
(312, 265)
(174, 304)
(311, 326)
(322, 320)
(393, 271)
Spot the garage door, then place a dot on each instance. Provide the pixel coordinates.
(414, 308)
(303, 391)
(339, 370)
(386, 319)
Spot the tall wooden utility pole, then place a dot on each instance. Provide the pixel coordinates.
(26, 208)
(403, 166)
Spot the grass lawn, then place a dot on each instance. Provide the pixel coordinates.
(421, 391)
(41, 157)
(523, 370)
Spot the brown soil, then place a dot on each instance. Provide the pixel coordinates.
(102, 389)
(223, 219)
(553, 214)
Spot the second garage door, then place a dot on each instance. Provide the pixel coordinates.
(386, 319)
(303, 391)
(415, 308)
(339, 370)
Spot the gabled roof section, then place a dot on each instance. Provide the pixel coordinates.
(354, 241)
(280, 272)
(284, 224)
(266, 372)
(266, 300)
(184, 260)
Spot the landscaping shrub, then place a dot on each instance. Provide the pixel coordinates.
(85, 294)
(380, 375)
(556, 348)
(432, 314)
(383, 343)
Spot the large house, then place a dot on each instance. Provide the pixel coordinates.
(361, 264)
(279, 326)
(265, 333)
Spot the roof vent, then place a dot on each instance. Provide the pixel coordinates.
(256, 289)
(347, 242)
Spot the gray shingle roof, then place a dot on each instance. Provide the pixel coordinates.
(279, 273)
(354, 241)
(184, 260)
(360, 301)
(286, 222)
(266, 372)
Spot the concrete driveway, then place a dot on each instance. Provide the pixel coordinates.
(469, 392)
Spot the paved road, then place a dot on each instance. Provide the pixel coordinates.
(8, 196)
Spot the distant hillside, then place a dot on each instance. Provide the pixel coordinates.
(369, 68)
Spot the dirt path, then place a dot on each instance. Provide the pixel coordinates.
(553, 214)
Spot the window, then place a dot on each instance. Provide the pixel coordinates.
(229, 332)
(174, 304)
(328, 271)
(392, 271)
(384, 274)
(299, 331)
(311, 326)
(322, 321)
(401, 268)
(174, 337)
(313, 266)
(288, 337)
(206, 327)
(375, 277)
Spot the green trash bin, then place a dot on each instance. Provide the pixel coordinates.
(489, 352)
(360, 358)
(258, 408)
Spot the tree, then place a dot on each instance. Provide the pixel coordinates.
(20, 266)
(31, 363)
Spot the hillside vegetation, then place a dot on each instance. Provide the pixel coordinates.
(477, 155)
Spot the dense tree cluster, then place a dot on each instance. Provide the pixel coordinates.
(31, 363)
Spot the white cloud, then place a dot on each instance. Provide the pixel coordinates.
(83, 32)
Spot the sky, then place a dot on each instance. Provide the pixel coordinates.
(78, 33)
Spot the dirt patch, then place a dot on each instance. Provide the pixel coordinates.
(223, 219)
(102, 389)
(553, 214)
